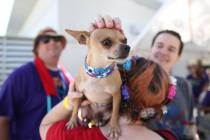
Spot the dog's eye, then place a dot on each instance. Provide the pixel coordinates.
(124, 41)
(107, 42)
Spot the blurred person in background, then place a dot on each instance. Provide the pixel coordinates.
(198, 79)
(53, 126)
(33, 89)
(208, 71)
(204, 112)
(204, 116)
(167, 47)
(204, 101)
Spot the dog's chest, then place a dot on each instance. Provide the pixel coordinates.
(101, 90)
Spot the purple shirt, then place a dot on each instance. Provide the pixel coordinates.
(197, 85)
(206, 100)
(23, 100)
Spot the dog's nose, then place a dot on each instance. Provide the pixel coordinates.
(125, 48)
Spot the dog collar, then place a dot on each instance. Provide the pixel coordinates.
(98, 72)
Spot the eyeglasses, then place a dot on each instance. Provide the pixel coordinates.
(47, 38)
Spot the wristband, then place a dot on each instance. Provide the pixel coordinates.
(66, 103)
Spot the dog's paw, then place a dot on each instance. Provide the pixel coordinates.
(114, 132)
(71, 124)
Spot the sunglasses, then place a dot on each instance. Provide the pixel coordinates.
(47, 38)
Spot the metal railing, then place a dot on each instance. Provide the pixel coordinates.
(14, 52)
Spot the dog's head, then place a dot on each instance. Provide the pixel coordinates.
(110, 44)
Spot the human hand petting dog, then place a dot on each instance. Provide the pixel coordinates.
(106, 22)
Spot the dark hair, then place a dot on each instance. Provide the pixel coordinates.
(147, 84)
(45, 31)
(171, 32)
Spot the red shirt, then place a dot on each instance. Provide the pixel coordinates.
(58, 131)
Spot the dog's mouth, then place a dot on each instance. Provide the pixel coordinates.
(116, 58)
(119, 60)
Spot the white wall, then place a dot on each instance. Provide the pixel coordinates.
(73, 56)
(44, 14)
(79, 13)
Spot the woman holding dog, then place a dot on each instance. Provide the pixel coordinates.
(33, 89)
(166, 50)
(53, 126)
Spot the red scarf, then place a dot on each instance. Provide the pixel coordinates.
(46, 78)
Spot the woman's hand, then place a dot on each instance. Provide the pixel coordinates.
(106, 22)
(60, 112)
(72, 93)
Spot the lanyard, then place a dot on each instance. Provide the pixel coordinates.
(49, 98)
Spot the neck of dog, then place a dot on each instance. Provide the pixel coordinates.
(97, 61)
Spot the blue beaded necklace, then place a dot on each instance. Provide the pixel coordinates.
(98, 72)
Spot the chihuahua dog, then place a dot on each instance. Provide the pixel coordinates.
(99, 79)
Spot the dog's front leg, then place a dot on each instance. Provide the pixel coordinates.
(114, 131)
(73, 119)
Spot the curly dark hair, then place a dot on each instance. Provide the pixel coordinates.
(147, 84)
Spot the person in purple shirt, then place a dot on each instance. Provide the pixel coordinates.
(198, 79)
(33, 89)
(205, 104)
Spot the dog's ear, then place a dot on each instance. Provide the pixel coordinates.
(81, 36)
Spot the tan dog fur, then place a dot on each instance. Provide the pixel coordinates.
(101, 90)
